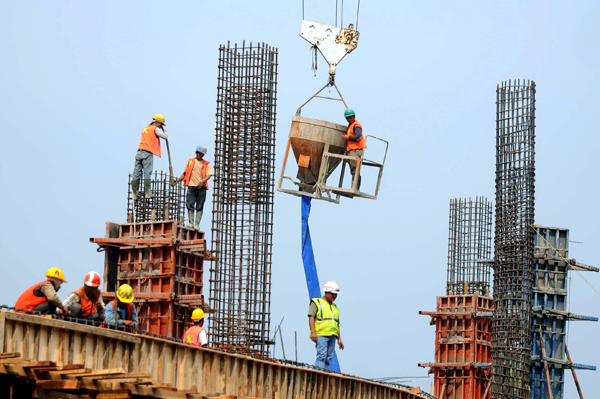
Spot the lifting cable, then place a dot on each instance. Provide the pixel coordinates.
(336, 13)
(559, 254)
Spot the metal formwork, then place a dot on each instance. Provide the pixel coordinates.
(242, 227)
(168, 202)
(514, 239)
(469, 243)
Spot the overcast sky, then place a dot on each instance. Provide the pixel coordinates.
(80, 80)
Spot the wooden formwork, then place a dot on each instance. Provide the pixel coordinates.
(178, 365)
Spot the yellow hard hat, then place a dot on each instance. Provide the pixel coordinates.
(197, 314)
(160, 118)
(125, 293)
(56, 273)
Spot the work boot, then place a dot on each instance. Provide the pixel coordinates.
(135, 188)
(148, 193)
(191, 218)
(198, 218)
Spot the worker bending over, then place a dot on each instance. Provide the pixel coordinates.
(355, 142)
(121, 311)
(196, 175)
(324, 322)
(196, 335)
(144, 158)
(86, 302)
(42, 297)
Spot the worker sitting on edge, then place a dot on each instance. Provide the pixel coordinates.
(324, 322)
(42, 297)
(121, 311)
(196, 335)
(144, 158)
(196, 174)
(86, 302)
(355, 142)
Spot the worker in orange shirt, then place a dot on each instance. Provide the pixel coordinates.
(144, 158)
(42, 297)
(86, 302)
(196, 335)
(196, 175)
(355, 142)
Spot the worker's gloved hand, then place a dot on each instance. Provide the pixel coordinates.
(64, 312)
(128, 323)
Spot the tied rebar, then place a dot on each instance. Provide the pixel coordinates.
(168, 202)
(242, 226)
(514, 239)
(469, 244)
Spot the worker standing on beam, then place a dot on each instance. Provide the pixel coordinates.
(324, 322)
(144, 158)
(42, 297)
(196, 334)
(121, 311)
(355, 142)
(86, 302)
(196, 175)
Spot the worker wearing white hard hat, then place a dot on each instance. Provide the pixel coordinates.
(324, 322)
(196, 175)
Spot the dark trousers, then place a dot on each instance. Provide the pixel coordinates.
(45, 308)
(77, 311)
(195, 198)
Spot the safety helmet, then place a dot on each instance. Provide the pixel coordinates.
(202, 149)
(92, 279)
(159, 118)
(197, 314)
(349, 112)
(125, 293)
(56, 273)
(332, 287)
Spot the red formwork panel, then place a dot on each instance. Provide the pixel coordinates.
(168, 318)
(463, 303)
(461, 383)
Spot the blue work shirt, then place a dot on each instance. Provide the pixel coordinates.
(109, 315)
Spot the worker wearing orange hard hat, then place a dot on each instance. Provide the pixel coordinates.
(42, 297)
(196, 334)
(355, 142)
(86, 302)
(121, 311)
(324, 323)
(144, 158)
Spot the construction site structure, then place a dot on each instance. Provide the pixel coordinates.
(168, 202)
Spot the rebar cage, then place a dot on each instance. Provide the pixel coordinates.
(168, 202)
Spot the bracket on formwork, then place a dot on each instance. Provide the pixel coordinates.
(567, 315)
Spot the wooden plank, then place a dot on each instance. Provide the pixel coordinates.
(57, 384)
(15, 370)
(2, 329)
(99, 373)
(116, 377)
(117, 394)
(9, 355)
(14, 360)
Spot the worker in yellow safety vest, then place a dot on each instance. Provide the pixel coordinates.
(196, 335)
(324, 322)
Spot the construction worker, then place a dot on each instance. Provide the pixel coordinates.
(324, 322)
(196, 175)
(121, 311)
(196, 335)
(144, 158)
(355, 142)
(42, 296)
(86, 302)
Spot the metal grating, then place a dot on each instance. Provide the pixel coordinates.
(168, 202)
(469, 242)
(242, 228)
(514, 239)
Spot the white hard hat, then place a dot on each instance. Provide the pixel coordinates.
(331, 286)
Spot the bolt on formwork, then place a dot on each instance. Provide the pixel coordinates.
(168, 202)
(469, 245)
(242, 227)
(514, 239)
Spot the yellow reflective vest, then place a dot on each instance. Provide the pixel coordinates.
(327, 319)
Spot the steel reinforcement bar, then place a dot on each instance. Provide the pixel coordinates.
(244, 184)
(179, 365)
(514, 239)
(168, 202)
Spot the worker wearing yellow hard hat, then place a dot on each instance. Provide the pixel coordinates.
(42, 297)
(196, 334)
(121, 311)
(144, 158)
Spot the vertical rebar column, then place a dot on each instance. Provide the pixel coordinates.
(469, 242)
(244, 183)
(168, 202)
(514, 239)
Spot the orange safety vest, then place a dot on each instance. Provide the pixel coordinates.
(150, 141)
(355, 145)
(32, 297)
(188, 171)
(191, 335)
(88, 305)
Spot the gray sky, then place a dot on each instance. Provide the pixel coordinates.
(82, 79)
